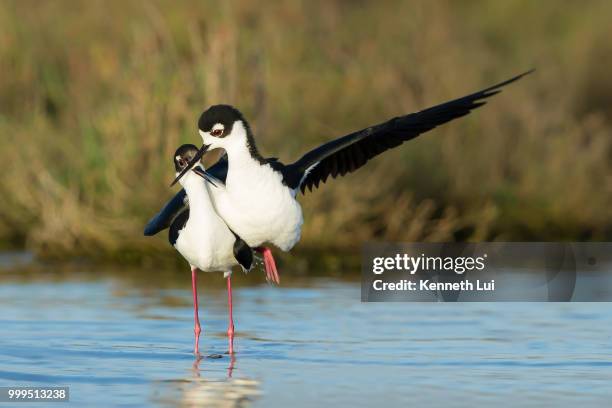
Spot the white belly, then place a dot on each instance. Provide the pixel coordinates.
(207, 247)
(259, 208)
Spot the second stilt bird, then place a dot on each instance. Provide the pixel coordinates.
(203, 238)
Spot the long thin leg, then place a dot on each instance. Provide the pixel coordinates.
(230, 369)
(269, 264)
(230, 328)
(196, 329)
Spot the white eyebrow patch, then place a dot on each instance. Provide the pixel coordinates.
(218, 126)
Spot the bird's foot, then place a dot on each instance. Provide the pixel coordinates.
(269, 265)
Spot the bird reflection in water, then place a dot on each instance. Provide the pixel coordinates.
(206, 389)
(199, 358)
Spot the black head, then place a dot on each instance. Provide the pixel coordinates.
(183, 156)
(215, 127)
(186, 158)
(219, 120)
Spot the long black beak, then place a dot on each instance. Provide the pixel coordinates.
(202, 173)
(193, 161)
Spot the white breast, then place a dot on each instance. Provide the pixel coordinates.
(257, 206)
(205, 242)
(208, 249)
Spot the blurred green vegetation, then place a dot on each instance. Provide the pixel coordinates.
(96, 96)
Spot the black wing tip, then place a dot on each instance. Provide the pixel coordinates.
(477, 98)
(150, 230)
(507, 82)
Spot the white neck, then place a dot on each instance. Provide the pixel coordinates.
(200, 204)
(240, 160)
(236, 145)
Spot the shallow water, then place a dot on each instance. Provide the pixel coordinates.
(123, 341)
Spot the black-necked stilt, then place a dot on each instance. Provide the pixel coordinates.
(259, 199)
(203, 238)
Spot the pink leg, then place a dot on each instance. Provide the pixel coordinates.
(269, 264)
(196, 329)
(230, 369)
(230, 328)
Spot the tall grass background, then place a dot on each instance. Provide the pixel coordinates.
(95, 97)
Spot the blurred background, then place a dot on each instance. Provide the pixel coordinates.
(96, 96)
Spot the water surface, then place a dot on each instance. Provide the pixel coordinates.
(123, 340)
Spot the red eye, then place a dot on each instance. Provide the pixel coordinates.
(217, 132)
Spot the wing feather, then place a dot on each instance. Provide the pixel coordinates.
(348, 153)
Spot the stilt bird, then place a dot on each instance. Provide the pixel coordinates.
(203, 238)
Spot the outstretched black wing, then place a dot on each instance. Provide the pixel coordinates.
(164, 218)
(178, 203)
(348, 153)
